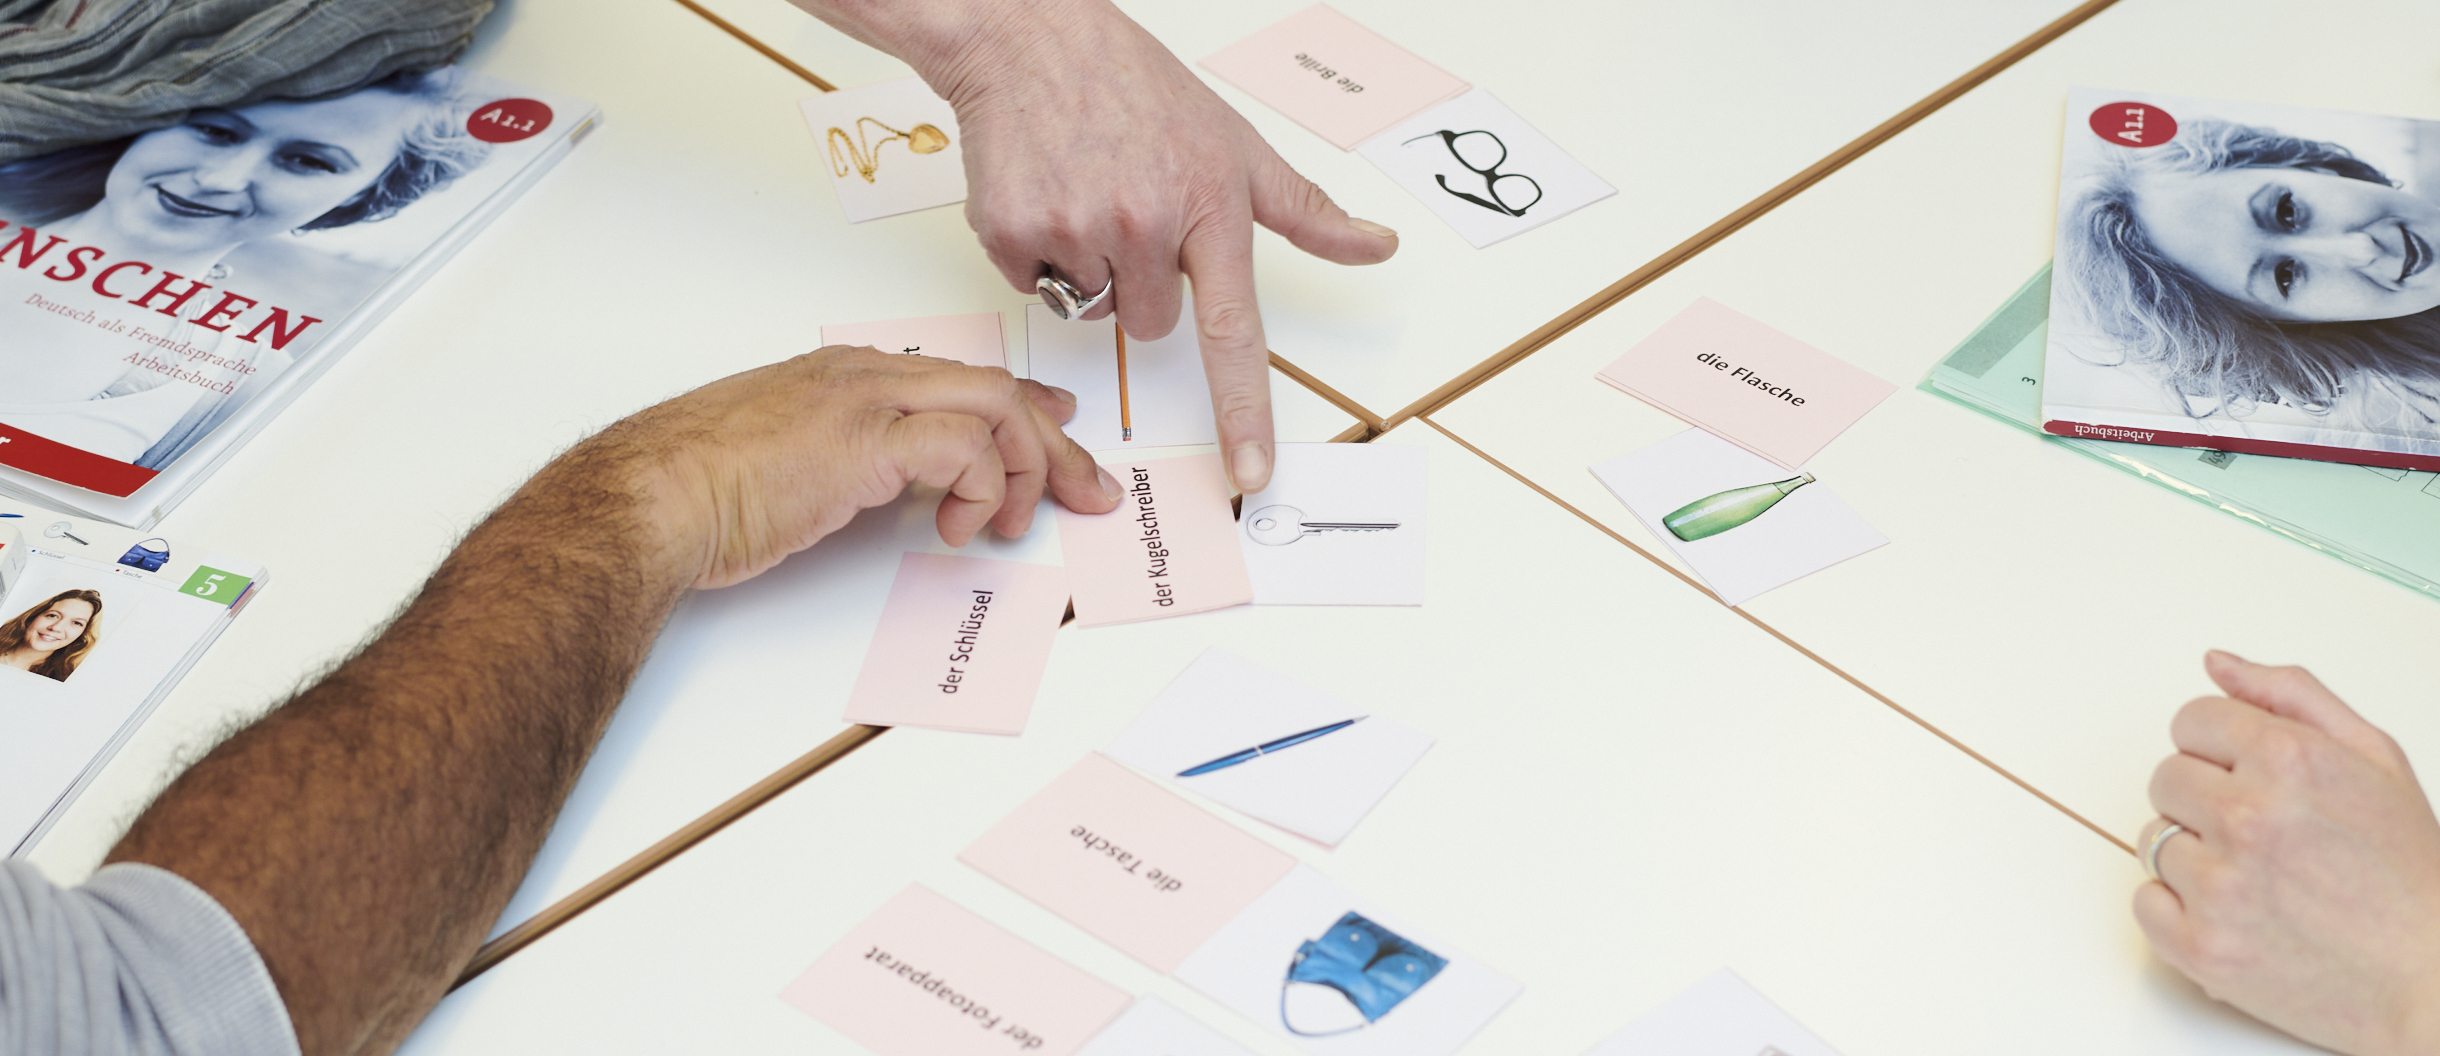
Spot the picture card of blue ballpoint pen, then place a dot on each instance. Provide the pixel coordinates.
(1486, 172)
(1269, 746)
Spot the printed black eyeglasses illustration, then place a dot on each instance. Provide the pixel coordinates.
(1470, 149)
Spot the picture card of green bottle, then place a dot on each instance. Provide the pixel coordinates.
(1745, 525)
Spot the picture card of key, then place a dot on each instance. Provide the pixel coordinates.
(1482, 169)
(1270, 746)
(892, 148)
(1339, 524)
(1746, 525)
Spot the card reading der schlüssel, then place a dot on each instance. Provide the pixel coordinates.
(923, 976)
(1747, 383)
(1129, 861)
(1170, 548)
(892, 148)
(961, 645)
(973, 339)
(1340, 80)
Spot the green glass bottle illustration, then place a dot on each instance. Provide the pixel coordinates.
(1712, 514)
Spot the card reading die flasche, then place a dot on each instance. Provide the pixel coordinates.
(961, 645)
(892, 148)
(1747, 383)
(924, 976)
(1340, 80)
(1169, 549)
(973, 339)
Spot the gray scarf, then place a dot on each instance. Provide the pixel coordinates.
(84, 71)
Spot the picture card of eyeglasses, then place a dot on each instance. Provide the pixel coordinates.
(1482, 169)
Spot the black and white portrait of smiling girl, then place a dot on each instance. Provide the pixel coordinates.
(230, 197)
(2260, 271)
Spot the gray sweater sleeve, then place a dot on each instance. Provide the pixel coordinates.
(136, 962)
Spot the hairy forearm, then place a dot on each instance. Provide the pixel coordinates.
(368, 832)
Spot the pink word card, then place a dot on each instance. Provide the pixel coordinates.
(962, 644)
(923, 976)
(973, 339)
(1751, 385)
(1344, 82)
(1169, 549)
(1129, 861)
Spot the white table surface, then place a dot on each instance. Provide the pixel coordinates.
(2048, 611)
(1629, 790)
(1689, 109)
(693, 235)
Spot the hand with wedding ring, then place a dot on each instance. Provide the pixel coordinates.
(2298, 864)
(1094, 157)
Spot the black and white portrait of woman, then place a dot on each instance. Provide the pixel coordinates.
(243, 199)
(2263, 269)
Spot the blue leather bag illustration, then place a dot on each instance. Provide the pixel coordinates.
(148, 555)
(1369, 965)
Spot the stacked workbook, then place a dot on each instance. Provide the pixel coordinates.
(97, 624)
(2200, 332)
(165, 294)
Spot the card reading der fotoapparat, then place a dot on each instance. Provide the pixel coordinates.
(924, 976)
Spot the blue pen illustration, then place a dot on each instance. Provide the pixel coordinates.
(1267, 747)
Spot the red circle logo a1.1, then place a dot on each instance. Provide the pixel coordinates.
(2134, 124)
(509, 120)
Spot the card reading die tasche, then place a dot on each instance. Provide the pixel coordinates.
(162, 303)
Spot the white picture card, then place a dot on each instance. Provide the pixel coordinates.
(1767, 526)
(1339, 524)
(1153, 1027)
(1721, 1016)
(1247, 967)
(891, 148)
(1223, 705)
(1166, 400)
(1484, 170)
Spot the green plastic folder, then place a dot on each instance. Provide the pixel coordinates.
(2386, 521)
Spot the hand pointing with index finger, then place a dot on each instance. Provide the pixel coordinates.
(1093, 155)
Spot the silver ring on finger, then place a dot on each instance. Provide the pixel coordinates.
(2151, 851)
(1065, 300)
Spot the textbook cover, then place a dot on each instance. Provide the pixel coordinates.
(97, 624)
(163, 295)
(2248, 278)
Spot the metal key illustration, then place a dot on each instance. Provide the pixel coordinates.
(1281, 525)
